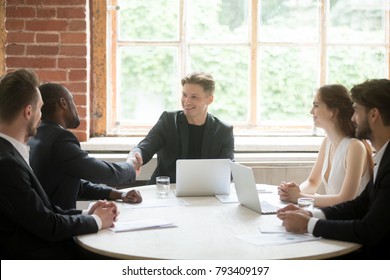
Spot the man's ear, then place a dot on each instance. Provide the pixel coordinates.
(63, 104)
(210, 99)
(28, 112)
(374, 114)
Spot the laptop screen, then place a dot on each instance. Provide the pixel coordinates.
(202, 177)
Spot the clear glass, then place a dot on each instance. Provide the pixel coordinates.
(288, 77)
(218, 20)
(148, 19)
(306, 203)
(147, 83)
(163, 186)
(288, 21)
(353, 65)
(230, 68)
(352, 21)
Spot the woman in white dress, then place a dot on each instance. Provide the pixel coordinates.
(344, 163)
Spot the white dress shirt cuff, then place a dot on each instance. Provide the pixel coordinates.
(96, 217)
(98, 221)
(130, 157)
(317, 214)
(311, 224)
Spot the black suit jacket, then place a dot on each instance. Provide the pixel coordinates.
(31, 226)
(366, 219)
(169, 139)
(67, 173)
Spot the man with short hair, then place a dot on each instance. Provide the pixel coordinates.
(191, 133)
(67, 173)
(366, 219)
(31, 226)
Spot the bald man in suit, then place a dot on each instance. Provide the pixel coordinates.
(67, 173)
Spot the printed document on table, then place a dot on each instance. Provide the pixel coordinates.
(132, 225)
(264, 239)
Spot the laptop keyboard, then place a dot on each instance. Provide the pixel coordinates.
(268, 208)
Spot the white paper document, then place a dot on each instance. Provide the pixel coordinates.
(160, 202)
(141, 224)
(264, 239)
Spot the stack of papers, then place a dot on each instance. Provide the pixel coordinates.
(141, 225)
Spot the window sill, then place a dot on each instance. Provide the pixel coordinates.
(288, 148)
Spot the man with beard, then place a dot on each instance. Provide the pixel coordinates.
(31, 226)
(366, 219)
(65, 171)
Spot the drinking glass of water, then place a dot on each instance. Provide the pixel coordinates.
(306, 203)
(163, 186)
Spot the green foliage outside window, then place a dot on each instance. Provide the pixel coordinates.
(288, 66)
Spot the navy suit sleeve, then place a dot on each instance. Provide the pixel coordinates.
(91, 191)
(72, 160)
(22, 207)
(363, 220)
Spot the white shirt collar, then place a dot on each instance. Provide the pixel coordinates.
(23, 149)
(378, 155)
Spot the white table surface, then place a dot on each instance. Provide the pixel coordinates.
(205, 229)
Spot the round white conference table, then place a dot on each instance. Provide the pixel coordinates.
(205, 229)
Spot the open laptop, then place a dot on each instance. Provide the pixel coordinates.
(244, 181)
(202, 177)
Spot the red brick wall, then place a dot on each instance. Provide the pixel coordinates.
(53, 38)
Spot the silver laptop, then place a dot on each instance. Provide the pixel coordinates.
(202, 177)
(244, 181)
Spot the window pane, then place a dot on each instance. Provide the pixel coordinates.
(148, 19)
(291, 52)
(218, 20)
(288, 78)
(357, 21)
(350, 66)
(288, 21)
(148, 83)
(229, 66)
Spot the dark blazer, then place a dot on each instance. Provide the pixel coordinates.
(67, 173)
(169, 139)
(364, 220)
(31, 226)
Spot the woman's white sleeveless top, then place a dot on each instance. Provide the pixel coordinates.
(337, 172)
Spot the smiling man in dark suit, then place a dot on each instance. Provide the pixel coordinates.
(31, 226)
(366, 219)
(66, 172)
(191, 133)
